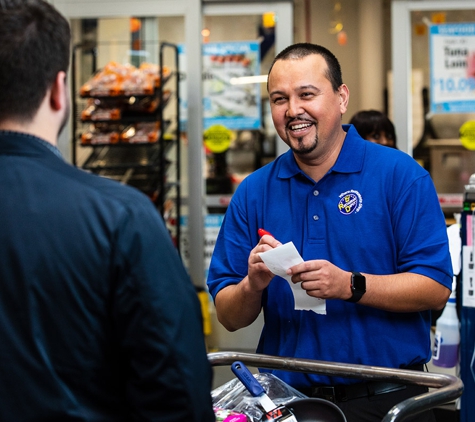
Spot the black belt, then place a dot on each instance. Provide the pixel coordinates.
(338, 393)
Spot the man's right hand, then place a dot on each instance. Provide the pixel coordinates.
(238, 305)
(258, 273)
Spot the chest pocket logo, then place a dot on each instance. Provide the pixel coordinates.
(350, 201)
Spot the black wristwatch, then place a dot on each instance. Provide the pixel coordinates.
(358, 286)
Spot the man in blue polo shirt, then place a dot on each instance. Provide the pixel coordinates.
(368, 225)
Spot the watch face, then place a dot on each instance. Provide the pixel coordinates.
(358, 287)
(359, 282)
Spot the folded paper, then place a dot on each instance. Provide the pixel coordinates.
(279, 260)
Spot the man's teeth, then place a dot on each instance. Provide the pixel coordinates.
(301, 126)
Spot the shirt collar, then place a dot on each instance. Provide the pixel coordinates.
(37, 140)
(352, 152)
(350, 159)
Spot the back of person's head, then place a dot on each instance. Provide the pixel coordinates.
(301, 50)
(34, 47)
(370, 124)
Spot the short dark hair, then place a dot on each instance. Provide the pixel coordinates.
(301, 50)
(34, 46)
(367, 122)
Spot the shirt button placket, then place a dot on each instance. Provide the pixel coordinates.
(315, 216)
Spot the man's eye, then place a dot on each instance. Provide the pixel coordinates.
(278, 100)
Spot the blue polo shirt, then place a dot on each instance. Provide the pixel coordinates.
(377, 212)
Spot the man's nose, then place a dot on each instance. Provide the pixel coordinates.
(294, 108)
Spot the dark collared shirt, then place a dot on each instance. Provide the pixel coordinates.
(98, 318)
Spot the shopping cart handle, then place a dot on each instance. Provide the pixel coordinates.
(443, 387)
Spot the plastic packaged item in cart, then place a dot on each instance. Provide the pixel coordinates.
(234, 396)
(225, 415)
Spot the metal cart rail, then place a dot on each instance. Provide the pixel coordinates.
(446, 387)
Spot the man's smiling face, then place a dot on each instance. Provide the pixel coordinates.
(305, 109)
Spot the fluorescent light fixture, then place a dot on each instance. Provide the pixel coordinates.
(259, 79)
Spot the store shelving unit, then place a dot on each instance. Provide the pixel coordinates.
(122, 133)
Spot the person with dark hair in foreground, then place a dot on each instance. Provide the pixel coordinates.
(99, 320)
(376, 127)
(375, 256)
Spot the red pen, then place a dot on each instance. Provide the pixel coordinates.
(262, 232)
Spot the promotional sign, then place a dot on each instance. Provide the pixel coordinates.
(227, 101)
(467, 135)
(452, 65)
(217, 138)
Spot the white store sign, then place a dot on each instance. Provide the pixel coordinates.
(452, 65)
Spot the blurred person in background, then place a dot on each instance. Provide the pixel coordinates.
(375, 126)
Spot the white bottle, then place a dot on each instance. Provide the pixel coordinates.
(447, 336)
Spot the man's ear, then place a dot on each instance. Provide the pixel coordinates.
(344, 93)
(58, 97)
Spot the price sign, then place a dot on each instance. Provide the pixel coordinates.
(452, 57)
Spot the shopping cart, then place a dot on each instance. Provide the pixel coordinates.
(443, 388)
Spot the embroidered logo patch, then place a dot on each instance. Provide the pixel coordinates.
(350, 202)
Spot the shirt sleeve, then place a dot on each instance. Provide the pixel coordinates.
(229, 262)
(423, 246)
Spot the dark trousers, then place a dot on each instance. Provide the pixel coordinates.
(373, 409)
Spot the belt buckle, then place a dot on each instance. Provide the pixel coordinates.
(328, 393)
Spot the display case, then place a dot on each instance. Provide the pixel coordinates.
(120, 130)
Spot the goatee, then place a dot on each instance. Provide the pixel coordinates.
(301, 149)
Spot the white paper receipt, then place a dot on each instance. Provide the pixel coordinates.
(279, 260)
